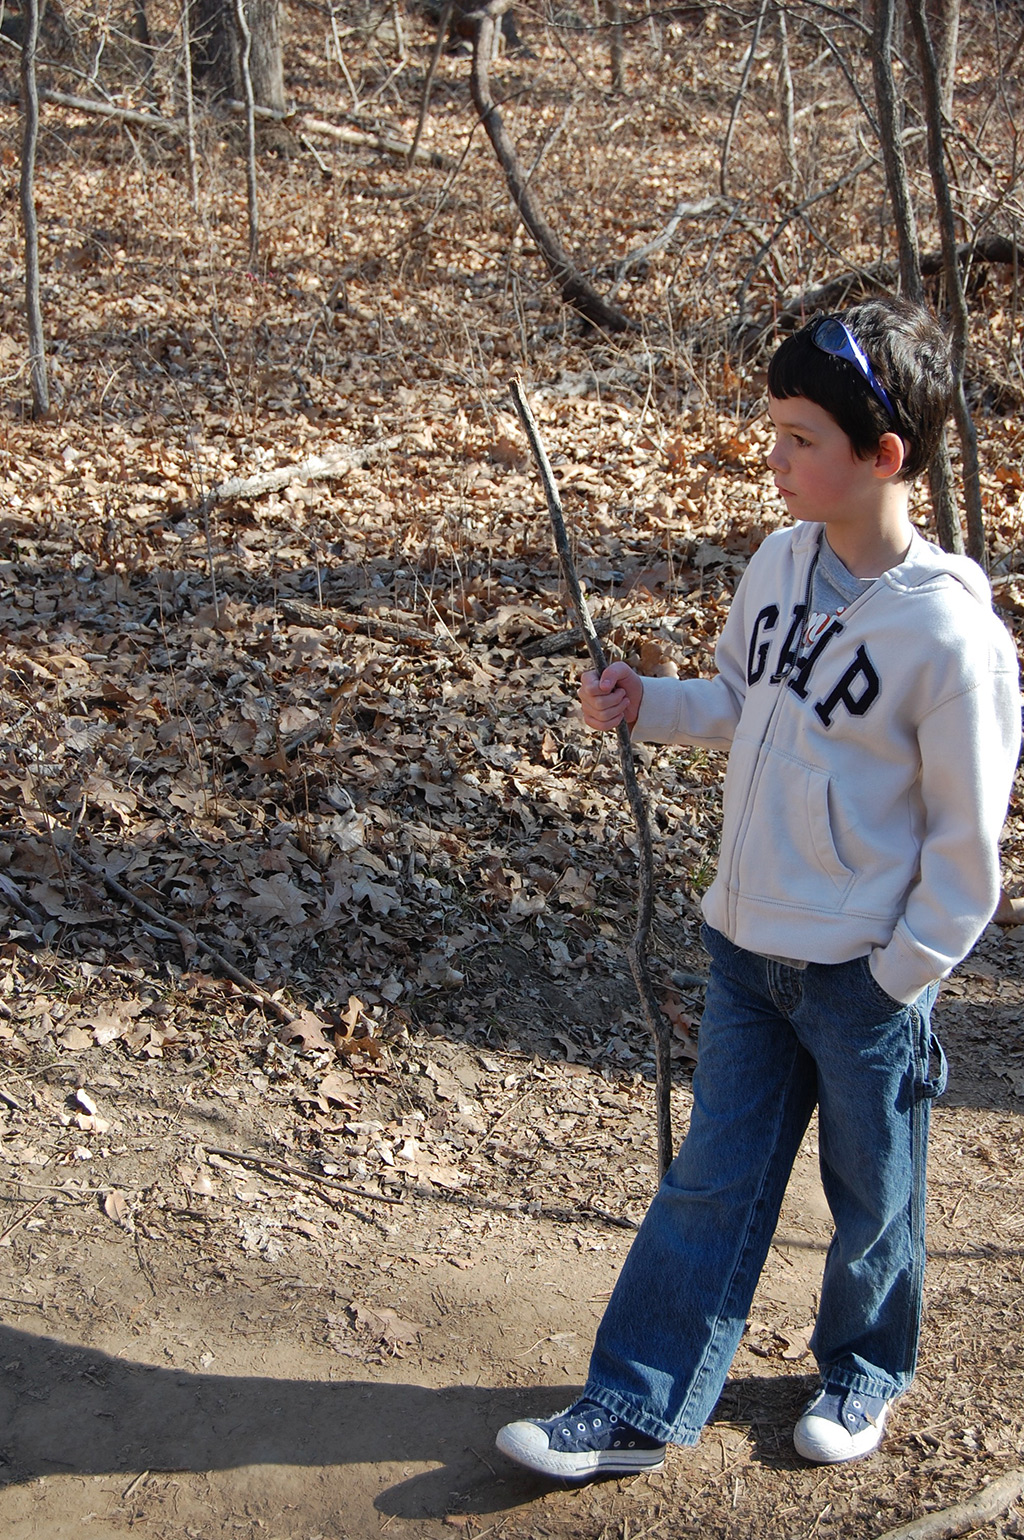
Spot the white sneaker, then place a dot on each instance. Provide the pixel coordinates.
(840, 1424)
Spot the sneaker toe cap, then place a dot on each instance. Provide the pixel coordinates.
(828, 1443)
(523, 1441)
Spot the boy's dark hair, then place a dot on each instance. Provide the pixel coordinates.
(909, 354)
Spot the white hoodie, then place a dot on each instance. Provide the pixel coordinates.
(867, 785)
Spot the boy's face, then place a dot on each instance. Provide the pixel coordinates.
(817, 474)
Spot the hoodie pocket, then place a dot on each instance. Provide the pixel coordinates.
(789, 854)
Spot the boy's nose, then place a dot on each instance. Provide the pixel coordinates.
(772, 458)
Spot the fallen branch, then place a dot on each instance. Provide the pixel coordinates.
(659, 1028)
(387, 144)
(10, 894)
(575, 289)
(191, 939)
(702, 209)
(991, 249)
(964, 1517)
(307, 1176)
(127, 115)
(337, 462)
(301, 122)
(562, 641)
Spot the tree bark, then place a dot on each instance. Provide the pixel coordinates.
(216, 50)
(575, 289)
(33, 306)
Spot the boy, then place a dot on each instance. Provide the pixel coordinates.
(869, 699)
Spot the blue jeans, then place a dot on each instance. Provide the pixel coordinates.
(776, 1039)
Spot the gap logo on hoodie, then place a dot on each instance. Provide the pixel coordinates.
(855, 691)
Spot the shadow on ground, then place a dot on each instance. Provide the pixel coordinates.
(76, 1411)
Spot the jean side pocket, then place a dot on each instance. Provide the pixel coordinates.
(934, 1069)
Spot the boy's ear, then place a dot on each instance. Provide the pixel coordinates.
(890, 455)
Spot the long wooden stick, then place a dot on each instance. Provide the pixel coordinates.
(636, 952)
(965, 1517)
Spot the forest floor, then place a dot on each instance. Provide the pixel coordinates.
(282, 1252)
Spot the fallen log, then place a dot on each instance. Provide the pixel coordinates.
(336, 462)
(300, 122)
(964, 1517)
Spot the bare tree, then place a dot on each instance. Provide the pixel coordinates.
(244, 57)
(890, 133)
(190, 120)
(613, 18)
(33, 306)
(944, 27)
(933, 93)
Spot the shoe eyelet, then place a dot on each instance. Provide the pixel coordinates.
(632, 1443)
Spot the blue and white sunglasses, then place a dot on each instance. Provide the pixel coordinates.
(836, 339)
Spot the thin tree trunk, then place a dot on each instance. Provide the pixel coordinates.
(575, 289)
(33, 306)
(245, 49)
(613, 16)
(190, 115)
(890, 128)
(944, 25)
(748, 64)
(428, 84)
(786, 103)
(953, 280)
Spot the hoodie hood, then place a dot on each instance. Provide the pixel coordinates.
(924, 564)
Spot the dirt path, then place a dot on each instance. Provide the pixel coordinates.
(222, 1349)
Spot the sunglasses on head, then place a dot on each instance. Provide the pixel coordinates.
(836, 339)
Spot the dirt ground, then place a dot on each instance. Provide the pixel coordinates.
(199, 1346)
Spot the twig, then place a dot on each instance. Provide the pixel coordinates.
(659, 1028)
(964, 1517)
(140, 1478)
(307, 1176)
(12, 895)
(21, 1218)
